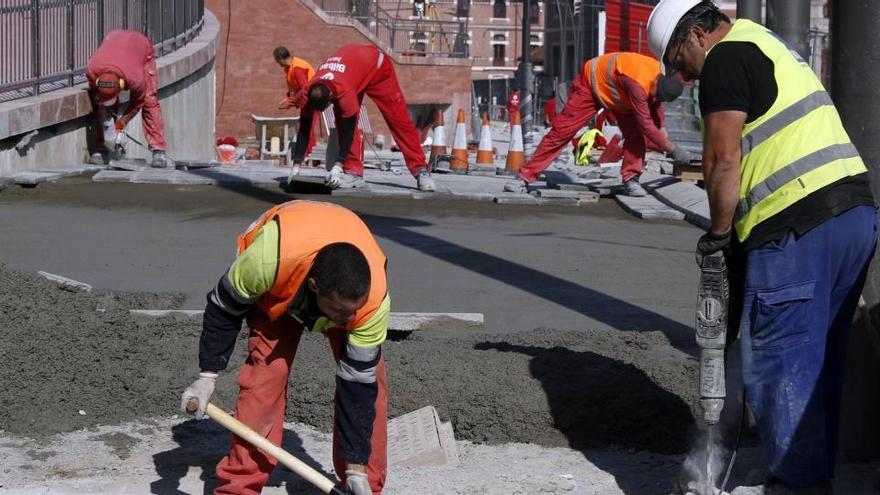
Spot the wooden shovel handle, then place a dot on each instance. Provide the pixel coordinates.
(246, 433)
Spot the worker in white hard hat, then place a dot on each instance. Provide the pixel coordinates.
(789, 197)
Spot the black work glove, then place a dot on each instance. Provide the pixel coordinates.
(710, 244)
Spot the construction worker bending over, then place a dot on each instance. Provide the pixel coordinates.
(297, 73)
(343, 80)
(787, 190)
(631, 86)
(302, 265)
(126, 61)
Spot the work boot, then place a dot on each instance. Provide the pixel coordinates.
(517, 186)
(160, 160)
(426, 183)
(349, 181)
(634, 189)
(97, 159)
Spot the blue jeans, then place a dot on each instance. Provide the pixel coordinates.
(800, 296)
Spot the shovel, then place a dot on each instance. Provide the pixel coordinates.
(246, 433)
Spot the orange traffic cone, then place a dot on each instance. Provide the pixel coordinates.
(459, 162)
(516, 155)
(438, 146)
(485, 154)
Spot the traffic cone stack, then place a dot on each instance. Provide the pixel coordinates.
(438, 146)
(516, 156)
(459, 162)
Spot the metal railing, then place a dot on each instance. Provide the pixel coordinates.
(45, 44)
(413, 37)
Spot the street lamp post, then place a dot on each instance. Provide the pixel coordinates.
(525, 75)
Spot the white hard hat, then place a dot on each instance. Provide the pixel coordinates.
(662, 23)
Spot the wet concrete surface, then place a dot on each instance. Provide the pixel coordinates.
(524, 267)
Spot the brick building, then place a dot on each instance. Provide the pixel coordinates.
(249, 82)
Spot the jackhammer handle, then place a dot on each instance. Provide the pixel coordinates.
(246, 433)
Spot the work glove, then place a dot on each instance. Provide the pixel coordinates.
(356, 483)
(710, 244)
(681, 156)
(334, 178)
(202, 389)
(286, 103)
(121, 138)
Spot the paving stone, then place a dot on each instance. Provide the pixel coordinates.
(32, 178)
(130, 164)
(473, 196)
(507, 198)
(558, 201)
(648, 207)
(417, 321)
(69, 283)
(588, 197)
(113, 176)
(573, 187)
(687, 198)
(419, 439)
(557, 178)
(556, 193)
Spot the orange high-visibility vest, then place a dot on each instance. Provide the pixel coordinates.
(604, 73)
(304, 227)
(298, 63)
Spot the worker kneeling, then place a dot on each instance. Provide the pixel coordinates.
(302, 265)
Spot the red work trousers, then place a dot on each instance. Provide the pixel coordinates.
(261, 402)
(580, 108)
(385, 92)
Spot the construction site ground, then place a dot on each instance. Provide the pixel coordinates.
(583, 380)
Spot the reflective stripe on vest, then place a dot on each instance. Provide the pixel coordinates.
(794, 149)
(609, 75)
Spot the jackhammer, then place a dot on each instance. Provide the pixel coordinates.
(711, 329)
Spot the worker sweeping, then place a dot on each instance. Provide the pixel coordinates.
(789, 193)
(297, 73)
(313, 266)
(343, 80)
(126, 62)
(629, 84)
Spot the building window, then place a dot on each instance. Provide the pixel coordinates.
(534, 39)
(499, 38)
(535, 12)
(498, 55)
(499, 9)
(462, 8)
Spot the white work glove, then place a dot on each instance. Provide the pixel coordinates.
(356, 483)
(334, 178)
(680, 156)
(201, 390)
(120, 139)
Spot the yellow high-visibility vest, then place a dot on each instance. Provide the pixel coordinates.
(798, 146)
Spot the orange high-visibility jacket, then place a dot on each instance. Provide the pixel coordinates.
(298, 63)
(604, 73)
(304, 227)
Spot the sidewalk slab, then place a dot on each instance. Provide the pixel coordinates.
(687, 198)
(514, 199)
(648, 208)
(420, 439)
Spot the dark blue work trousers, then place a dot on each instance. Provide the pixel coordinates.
(800, 296)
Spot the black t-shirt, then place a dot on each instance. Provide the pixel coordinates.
(738, 76)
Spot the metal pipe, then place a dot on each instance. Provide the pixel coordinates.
(749, 9)
(35, 44)
(70, 40)
(791, 20)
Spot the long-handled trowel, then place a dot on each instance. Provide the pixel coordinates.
(247, 434)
